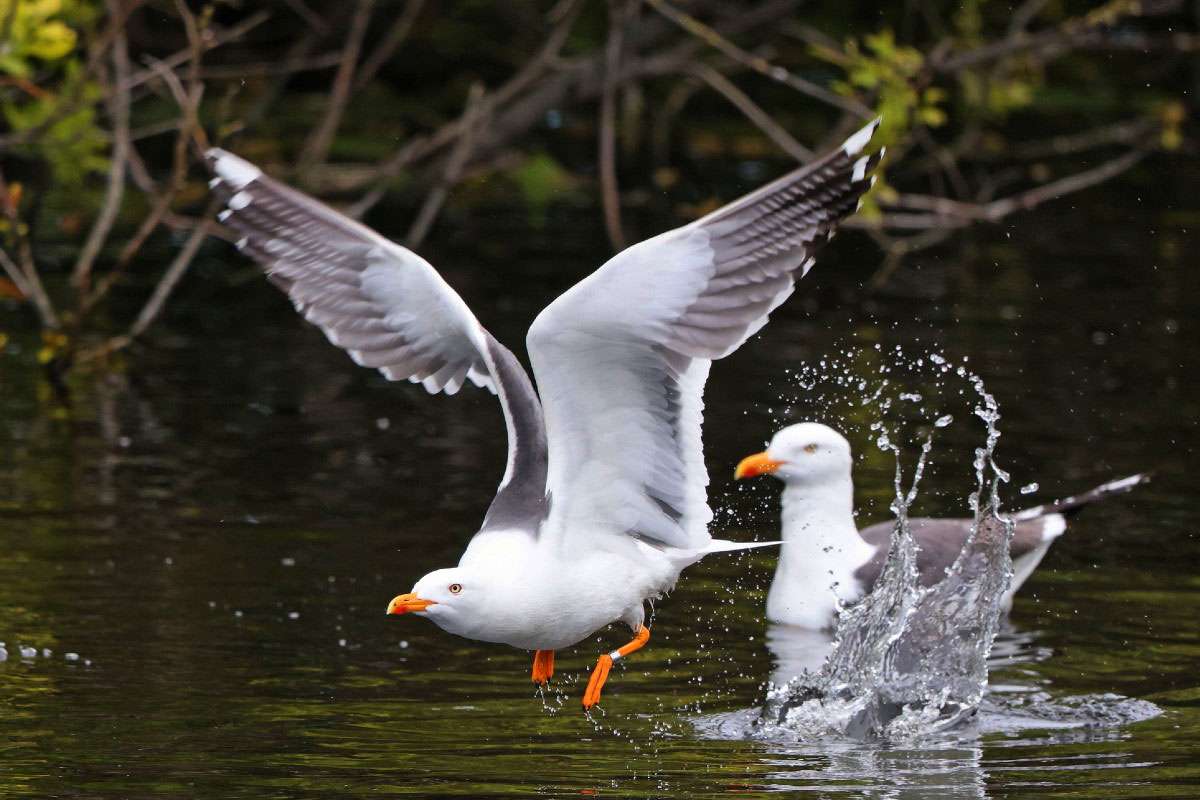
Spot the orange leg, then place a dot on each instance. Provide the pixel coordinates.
(543, 666)
(600, 674)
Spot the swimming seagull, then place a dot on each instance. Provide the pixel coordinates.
(603, 502)
(825, 559)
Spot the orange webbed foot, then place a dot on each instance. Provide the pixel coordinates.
(543, 666)
(591, 696)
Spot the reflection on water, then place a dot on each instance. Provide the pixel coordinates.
(218, 529)
(950, 763)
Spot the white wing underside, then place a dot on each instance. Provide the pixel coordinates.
(622, 357)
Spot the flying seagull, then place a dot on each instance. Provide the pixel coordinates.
(603, 499)
(825, 560)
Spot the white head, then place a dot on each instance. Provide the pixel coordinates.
(455, 598)
(807, 453)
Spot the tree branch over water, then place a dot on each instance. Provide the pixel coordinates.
(986, 115)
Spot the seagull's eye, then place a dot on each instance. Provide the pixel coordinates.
(455, 588)
(810, 448)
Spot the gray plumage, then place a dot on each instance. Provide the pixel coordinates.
(941, 540)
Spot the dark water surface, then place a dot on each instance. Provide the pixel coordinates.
(215, 530)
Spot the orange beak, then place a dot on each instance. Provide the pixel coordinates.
(757, 464)
(406, 603)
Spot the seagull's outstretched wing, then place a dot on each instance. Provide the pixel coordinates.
(388, 308)
(621, 359)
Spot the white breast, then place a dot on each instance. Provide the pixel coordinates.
(821, 552)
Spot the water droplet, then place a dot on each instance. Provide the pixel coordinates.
(943, 421)
(1029, 488)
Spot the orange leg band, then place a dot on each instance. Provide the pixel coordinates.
(604, 665)
(543, 666)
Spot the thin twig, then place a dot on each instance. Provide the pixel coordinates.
(944, 158)
(170, 278)
(1128, 132)
(311, 18)
(1025, 14)
(454, 167)
(398, 161)
(297, 54)
(31, 282)
(268, 69)
(14, 273)
(943, 212)
(664, 119)
(212, 41)
(753, 112)
(899, 249)
(188, 123)
(388, 44)
(618, 16)
(1086, 31)
(118, 109)
(317, 148)
(423, 146)
(1068, 185)
(757, 63)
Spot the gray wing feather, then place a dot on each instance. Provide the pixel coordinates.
(939, 542)
(622, 357)
(388, 309)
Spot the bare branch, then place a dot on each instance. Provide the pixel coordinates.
(582, 78)
(263, 69)
(899, 249)
(296, 56)
(1025, 14)
(14, 273)
(1068, 185)
(943, 212)
(753, 112)
(213, 40)
(388, 45)
(170, 278)
(664, 120)
(317, 148)
(1127, 132)
(118, 106)
(310, 17)
(618, 15)
(1087, 31)
(756, 63)
(476, 109)
(421, 147)
(29, 281)
(188, 124)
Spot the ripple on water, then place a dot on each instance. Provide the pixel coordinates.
(1012, 711)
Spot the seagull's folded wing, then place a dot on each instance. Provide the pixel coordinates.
(385, 306)
(621, 359)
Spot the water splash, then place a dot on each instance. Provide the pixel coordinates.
(907, 660)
